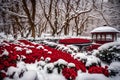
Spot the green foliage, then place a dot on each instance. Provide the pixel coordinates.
(109, 55)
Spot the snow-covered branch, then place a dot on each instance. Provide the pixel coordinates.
(13, 13)
(81, 12)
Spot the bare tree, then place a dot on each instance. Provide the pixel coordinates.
(31, 17)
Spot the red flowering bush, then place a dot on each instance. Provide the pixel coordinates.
(2, 75)
(94, 46)
(69, 73)
(99, 70)
(28, 52)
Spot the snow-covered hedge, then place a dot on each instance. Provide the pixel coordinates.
(109, 52)
(114, 68)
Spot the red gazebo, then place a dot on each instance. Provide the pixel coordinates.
(104, 34)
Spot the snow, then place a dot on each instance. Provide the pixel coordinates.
(13, 71)
(6, 44)
(18, 48)
(32, 75)
(80, 56)
(54, 76)
(2, 35)
(41, 63)
(13, 13)
(87, 76)
(5, 53)
(49, 52)
(104, 29)
(42, 58)
(107, 45)
(40, 47)
(92, 59)
(22, 66)
(95, 52)
(60, 61)
(45, 50)
(28, 51)
(47, 59)
(49, 65)
(115, 66)
(75, 48)
(71, 65)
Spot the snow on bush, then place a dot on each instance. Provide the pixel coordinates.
(18, 48)
(109, 52)
(60, 47)
(5, 43)
(95, 52)
(47, 60)
(6, 53)
(49, 52)
(68, 48)
(92, 61)
(22, 66)
(40, 47)
(28, 51)
(41, 63)
(81, 57)
(107, 45)
(49, 67)
(45, 50)
(70, 65)
(73, 48)
(60, 62)
(114, 68)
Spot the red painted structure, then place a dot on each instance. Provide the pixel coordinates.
(100, 35)
(74, 41)
(104, 34)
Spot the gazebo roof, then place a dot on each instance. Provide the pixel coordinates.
(105, 29)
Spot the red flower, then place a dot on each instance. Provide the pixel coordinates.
(6, 63)
(69, 73)
(3, 75)
(100, 70)
(1, 67)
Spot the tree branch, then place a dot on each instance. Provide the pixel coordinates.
(13, 13)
